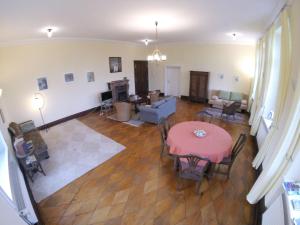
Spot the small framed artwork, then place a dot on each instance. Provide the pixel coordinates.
(115, 64)
(69, 77)
(42, 83)
(90, 76)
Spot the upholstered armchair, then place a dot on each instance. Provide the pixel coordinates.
(124, 110)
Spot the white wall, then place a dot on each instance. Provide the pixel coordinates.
(21, 65)
(229, 60)
(9, 216)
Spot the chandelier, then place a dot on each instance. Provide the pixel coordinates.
(156, 54)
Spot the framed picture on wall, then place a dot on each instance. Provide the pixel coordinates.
(115, 64)
(90, 76)
(42, 83)
(69, 77)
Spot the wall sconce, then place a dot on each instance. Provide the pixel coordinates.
(38, 103)
(0, 92)
(236, 78)
(221, 76)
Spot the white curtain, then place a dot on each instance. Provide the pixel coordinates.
(284, 77)
(283, 142)
(258, 66)
(263, 82)
(257, 81)
(285, 150)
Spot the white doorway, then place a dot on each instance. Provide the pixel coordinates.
(172, 83)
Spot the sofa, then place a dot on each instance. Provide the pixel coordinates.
(29, 132)
(157, 110)
(219, 98)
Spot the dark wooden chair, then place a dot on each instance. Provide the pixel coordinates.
(164, 127)
(228, 161)
(192, 167)
(204, 116)
(230, 110)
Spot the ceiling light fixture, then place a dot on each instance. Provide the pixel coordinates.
(234, 35)
(156, 54)
(146, 42)
(49, 32)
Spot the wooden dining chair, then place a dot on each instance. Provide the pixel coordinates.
(204, 116)
(192, 167)
(164, 127)
(228, 161)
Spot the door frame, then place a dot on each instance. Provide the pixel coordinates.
(165, 78)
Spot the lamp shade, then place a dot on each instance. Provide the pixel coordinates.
(38, 101)
(0, 92)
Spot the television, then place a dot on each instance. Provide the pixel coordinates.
(106, 96)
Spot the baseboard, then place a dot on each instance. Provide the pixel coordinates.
(184, 97)
(62, 120)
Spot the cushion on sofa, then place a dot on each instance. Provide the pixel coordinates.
(236, 96)
(158, 103)
(27, 126)
(244, 102)
(214, 97)
(224, 95)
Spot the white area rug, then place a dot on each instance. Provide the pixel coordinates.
(74, 150)
(134, 121)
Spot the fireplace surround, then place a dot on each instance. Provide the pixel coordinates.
(120, 90)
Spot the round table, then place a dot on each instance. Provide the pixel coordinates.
(216, 145)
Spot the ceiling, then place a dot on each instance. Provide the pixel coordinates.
(133, 20)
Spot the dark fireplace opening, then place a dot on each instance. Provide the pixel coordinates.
(122, 96)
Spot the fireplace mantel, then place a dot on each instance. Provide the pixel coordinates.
(120, 90)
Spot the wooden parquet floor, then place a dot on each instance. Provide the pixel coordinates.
(136, 187)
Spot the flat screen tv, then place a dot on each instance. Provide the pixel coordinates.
(105, 96)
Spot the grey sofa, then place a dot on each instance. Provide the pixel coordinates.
(159, 109)
(219, 98)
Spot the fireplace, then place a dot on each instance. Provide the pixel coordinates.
(120, 89)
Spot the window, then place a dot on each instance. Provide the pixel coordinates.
(273, 86)
(4, 171)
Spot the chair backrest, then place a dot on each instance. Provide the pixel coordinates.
(204, 116)
(231, 109)
(164, 128)
(190, 164)
(238, 146)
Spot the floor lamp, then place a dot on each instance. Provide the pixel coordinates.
(38, 103)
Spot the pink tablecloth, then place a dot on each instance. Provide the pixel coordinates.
(215, 145)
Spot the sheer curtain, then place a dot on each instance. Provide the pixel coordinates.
(256, 87)
(263, 82)
(285, 75)
(282, 142)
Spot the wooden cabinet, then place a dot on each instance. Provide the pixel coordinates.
(199, 86)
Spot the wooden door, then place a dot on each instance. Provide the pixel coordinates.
(199, 86)
(141, 78)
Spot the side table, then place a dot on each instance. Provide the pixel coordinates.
(27, 159)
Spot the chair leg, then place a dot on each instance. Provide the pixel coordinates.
(228, 172)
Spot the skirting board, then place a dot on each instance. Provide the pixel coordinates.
(62, 120)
